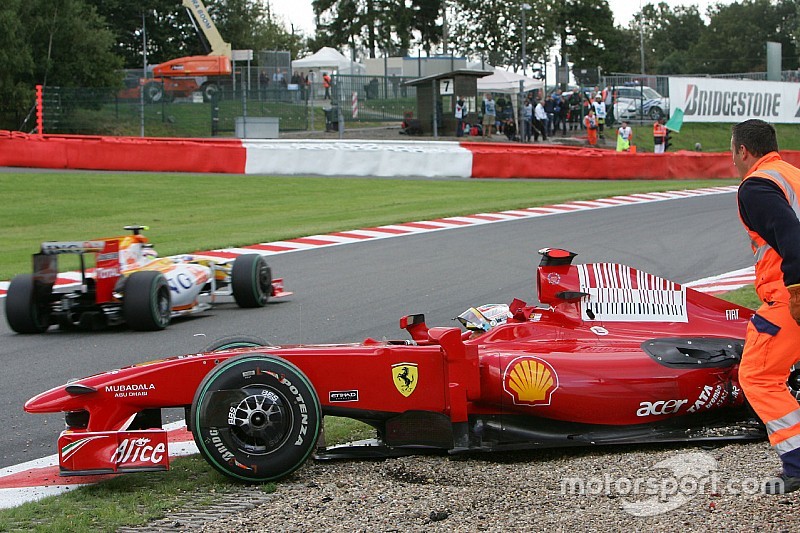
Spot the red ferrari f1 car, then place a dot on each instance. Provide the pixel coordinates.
(616, 356)
(130, 283)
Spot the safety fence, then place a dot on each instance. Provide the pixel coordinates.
(300, 101)
(211, 107)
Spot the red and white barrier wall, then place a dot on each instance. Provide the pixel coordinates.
(357, 158)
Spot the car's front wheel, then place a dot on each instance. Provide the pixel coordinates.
(255, 418)
(147, 304)
(251, 281)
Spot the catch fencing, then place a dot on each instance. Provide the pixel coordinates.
(151, 107)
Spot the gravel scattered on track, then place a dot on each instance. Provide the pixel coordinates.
(520, 491)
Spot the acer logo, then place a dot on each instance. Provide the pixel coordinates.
(135, 450)
(663, 407)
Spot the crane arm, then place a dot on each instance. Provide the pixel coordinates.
(198, 10)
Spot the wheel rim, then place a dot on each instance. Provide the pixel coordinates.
(163, 306)
(260, 423)
(264, 281)
(794, 381)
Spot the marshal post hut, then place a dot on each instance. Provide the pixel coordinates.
(443, 89)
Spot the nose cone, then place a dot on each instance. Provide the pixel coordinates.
(58, 399)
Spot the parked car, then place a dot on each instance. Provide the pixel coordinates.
(639, 102)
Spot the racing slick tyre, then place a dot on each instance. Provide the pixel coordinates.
(251, 281)
(231, 342)
(147, 305)
(153, 92)
(255, 418)
(25, 312)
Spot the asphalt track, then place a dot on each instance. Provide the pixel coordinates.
(347, 293)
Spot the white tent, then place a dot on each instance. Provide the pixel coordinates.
(328, 59)
(503, 81)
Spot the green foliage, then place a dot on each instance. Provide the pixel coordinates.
(374, 25)
(712, 137)
(250, 25)
(493, 31)
(678, 41)
(586, 33)
(39, 45)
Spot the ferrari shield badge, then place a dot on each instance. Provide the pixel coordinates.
(404, 377)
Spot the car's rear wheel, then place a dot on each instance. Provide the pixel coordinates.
(656, 113)
(251, 281)
(147, 304)
(27, 311)
(255, 418)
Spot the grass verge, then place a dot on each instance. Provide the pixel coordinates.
(712, 137)
(187, 213)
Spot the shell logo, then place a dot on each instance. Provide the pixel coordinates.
(530, 381)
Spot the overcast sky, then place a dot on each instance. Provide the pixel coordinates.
(299, 12)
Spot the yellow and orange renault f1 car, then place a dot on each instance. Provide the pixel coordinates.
(131, 284)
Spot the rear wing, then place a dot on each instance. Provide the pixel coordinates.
(72, 247)
(106, 268)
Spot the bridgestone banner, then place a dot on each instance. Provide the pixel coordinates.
(722, 100)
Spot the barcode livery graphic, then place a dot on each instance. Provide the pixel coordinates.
(620, 293)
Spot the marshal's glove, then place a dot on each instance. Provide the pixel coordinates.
(794, 301)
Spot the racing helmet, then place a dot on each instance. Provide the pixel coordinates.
(484, 317)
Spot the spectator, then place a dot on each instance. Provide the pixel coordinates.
(590, 123)
(549, 109)
(539, 122)
(489, 115)
(574, 104)
(599, 107)
(558, 112)
(461, 111)
(624, 136)
(659, 136)
(326, 83)
(527, 120)
(510, 129)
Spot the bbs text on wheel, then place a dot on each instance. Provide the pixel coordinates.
(256, 418)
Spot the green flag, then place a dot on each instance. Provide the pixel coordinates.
(676, 121)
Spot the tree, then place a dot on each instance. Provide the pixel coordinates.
(168, 26)
(493, 31)
(669, 34)
(55, 43)
(735, 40)
(16, 59)
(586, 33)
(250, 25)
